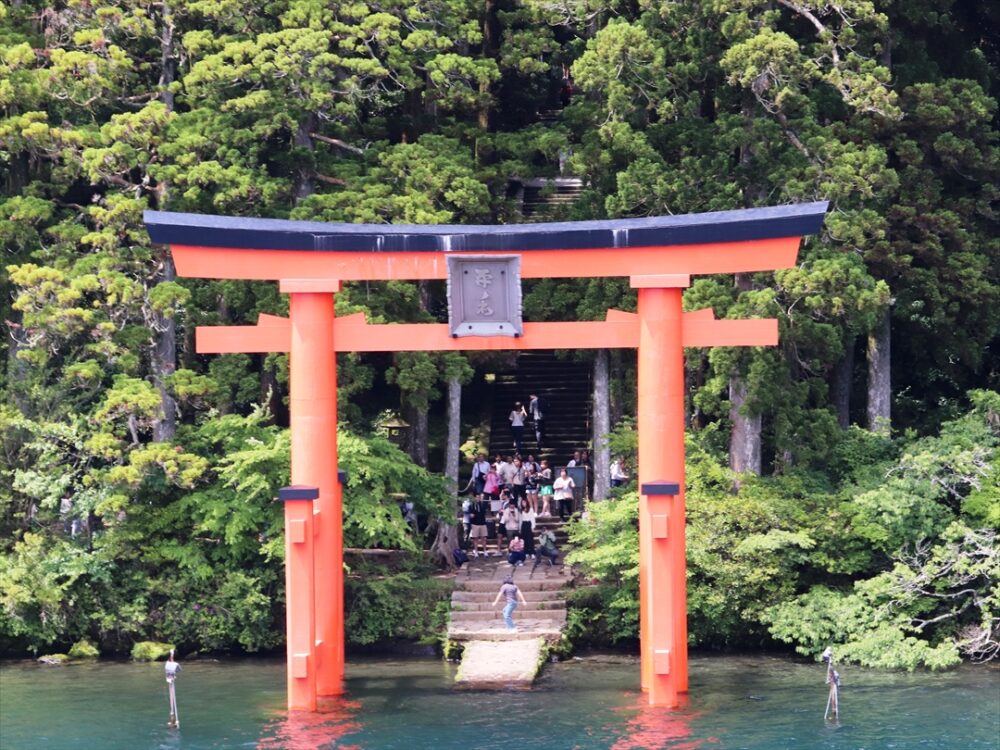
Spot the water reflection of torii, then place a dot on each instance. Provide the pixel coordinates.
(658, 727)
(310, 260)
(335, 719)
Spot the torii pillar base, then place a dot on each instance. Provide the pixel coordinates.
(300, 596)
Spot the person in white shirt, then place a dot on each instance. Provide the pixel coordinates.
(618, 475)
(506, 471)
(528, 517)
(517, 417)
(563, 488)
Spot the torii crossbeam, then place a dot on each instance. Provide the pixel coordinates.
(310, 260)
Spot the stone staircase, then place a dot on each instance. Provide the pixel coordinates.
(492, 656)
(566, 387)
(549, 199)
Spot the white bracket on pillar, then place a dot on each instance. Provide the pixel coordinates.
(300, 666)
(661, 661)
(296, 531)
(659, 525)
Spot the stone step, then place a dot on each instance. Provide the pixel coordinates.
(525, 584)
(490, 630)
(472, 597)
(555, 615)
(486, 605)
(495, 557)
(560, 399)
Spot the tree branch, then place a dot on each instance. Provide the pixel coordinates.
(338, 143)
(329, 180)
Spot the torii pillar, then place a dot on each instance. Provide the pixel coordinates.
(313, 401)
(663, 607)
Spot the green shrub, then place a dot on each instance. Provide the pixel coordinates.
(83, 649)
(151, 650)
(403, 605)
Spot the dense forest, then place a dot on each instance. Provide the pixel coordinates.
(844, 487)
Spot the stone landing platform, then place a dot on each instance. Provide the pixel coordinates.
(494, 657)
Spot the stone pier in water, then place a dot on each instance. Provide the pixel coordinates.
(492, 656)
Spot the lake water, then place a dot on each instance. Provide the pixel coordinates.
(736, 703)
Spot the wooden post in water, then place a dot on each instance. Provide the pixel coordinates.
(172, 668)
(833, 680)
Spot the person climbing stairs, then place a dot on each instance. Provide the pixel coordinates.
(565, 388)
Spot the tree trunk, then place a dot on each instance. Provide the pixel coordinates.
(417, 438)
(697, 419)
(18, 172)
(304, 183)
(164, 361)
(840, 387)
(602, 426)
(270, 392)
(879, 383)
(745, 437)
(18, 369)
(744, 442)
(491, 45)
(164, 355)
(426, 295)
(616, 396)
(446, 541)
(168, 65)
(451, 458)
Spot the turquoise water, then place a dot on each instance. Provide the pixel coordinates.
(736, 703)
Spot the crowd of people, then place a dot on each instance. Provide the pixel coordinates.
(506, 496)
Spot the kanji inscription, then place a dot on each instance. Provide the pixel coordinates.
(484, 295)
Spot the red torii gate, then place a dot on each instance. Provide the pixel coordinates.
(310, 260)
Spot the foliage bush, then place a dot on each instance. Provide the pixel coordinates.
(878, 556)
(151, 650)
(383, 605)
(83, 650)
(201, 567)
(606, 547)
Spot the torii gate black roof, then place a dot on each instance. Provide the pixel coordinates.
(206, 230)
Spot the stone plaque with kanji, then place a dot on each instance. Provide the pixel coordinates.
(484, 295)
